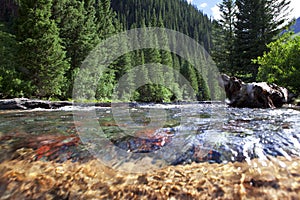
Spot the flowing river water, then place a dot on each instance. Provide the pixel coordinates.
(126, 147)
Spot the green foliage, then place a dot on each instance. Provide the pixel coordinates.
(190, 74)
(223, 37)
(105, 86)
(258, 22)
(40, 56)
(246, 28)
(105, 19)
(49, 40)
(10, 80)
(168, 14)
(78, 30)
(153, 93)
(281, 65)
(178, 15)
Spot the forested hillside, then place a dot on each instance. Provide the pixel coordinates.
(177, 15)
(45, 43)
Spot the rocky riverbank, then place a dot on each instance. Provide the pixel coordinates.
(27, 104)
(24, 104)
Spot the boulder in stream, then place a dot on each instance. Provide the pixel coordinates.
(254, 95)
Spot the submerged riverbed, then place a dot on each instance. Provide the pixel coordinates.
(157, 151)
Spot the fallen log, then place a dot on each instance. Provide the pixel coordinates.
(254, 95)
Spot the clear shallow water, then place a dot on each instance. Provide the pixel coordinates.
(166, 134)
(143, 137)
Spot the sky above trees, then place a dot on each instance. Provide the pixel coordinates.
(210, 7)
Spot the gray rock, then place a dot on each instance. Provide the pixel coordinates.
(254, 95)
(24, 104)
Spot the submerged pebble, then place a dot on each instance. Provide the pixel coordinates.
(218, 153)
(92, 180)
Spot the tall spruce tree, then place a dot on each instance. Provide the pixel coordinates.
(105, 19)
(121, 67)
(10, 83)
(224, 37)
(78, 31)
(189, 72)
(168, 67)
(258, 23)
(40, 56)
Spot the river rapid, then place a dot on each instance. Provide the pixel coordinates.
(143, 138)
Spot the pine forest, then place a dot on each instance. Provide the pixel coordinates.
(44, 44)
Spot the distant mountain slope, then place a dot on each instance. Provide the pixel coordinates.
(174, 14)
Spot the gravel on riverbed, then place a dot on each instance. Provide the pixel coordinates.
(272, 179)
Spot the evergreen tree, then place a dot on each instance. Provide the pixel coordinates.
(168, 66)
(219, 51)
(40, 56)
(10, 81)
(105, 86)
(224, 37)
(189, 72)
(166, 56)
(258, 22)
(203, 91)
(178, 15)
(105, 19)
(78, 31)
(152, 55)
(143, 93)
(107, 25)
(121, 68)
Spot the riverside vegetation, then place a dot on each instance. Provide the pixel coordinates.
(45, 42)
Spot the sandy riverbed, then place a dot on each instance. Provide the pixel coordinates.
(22, 179)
